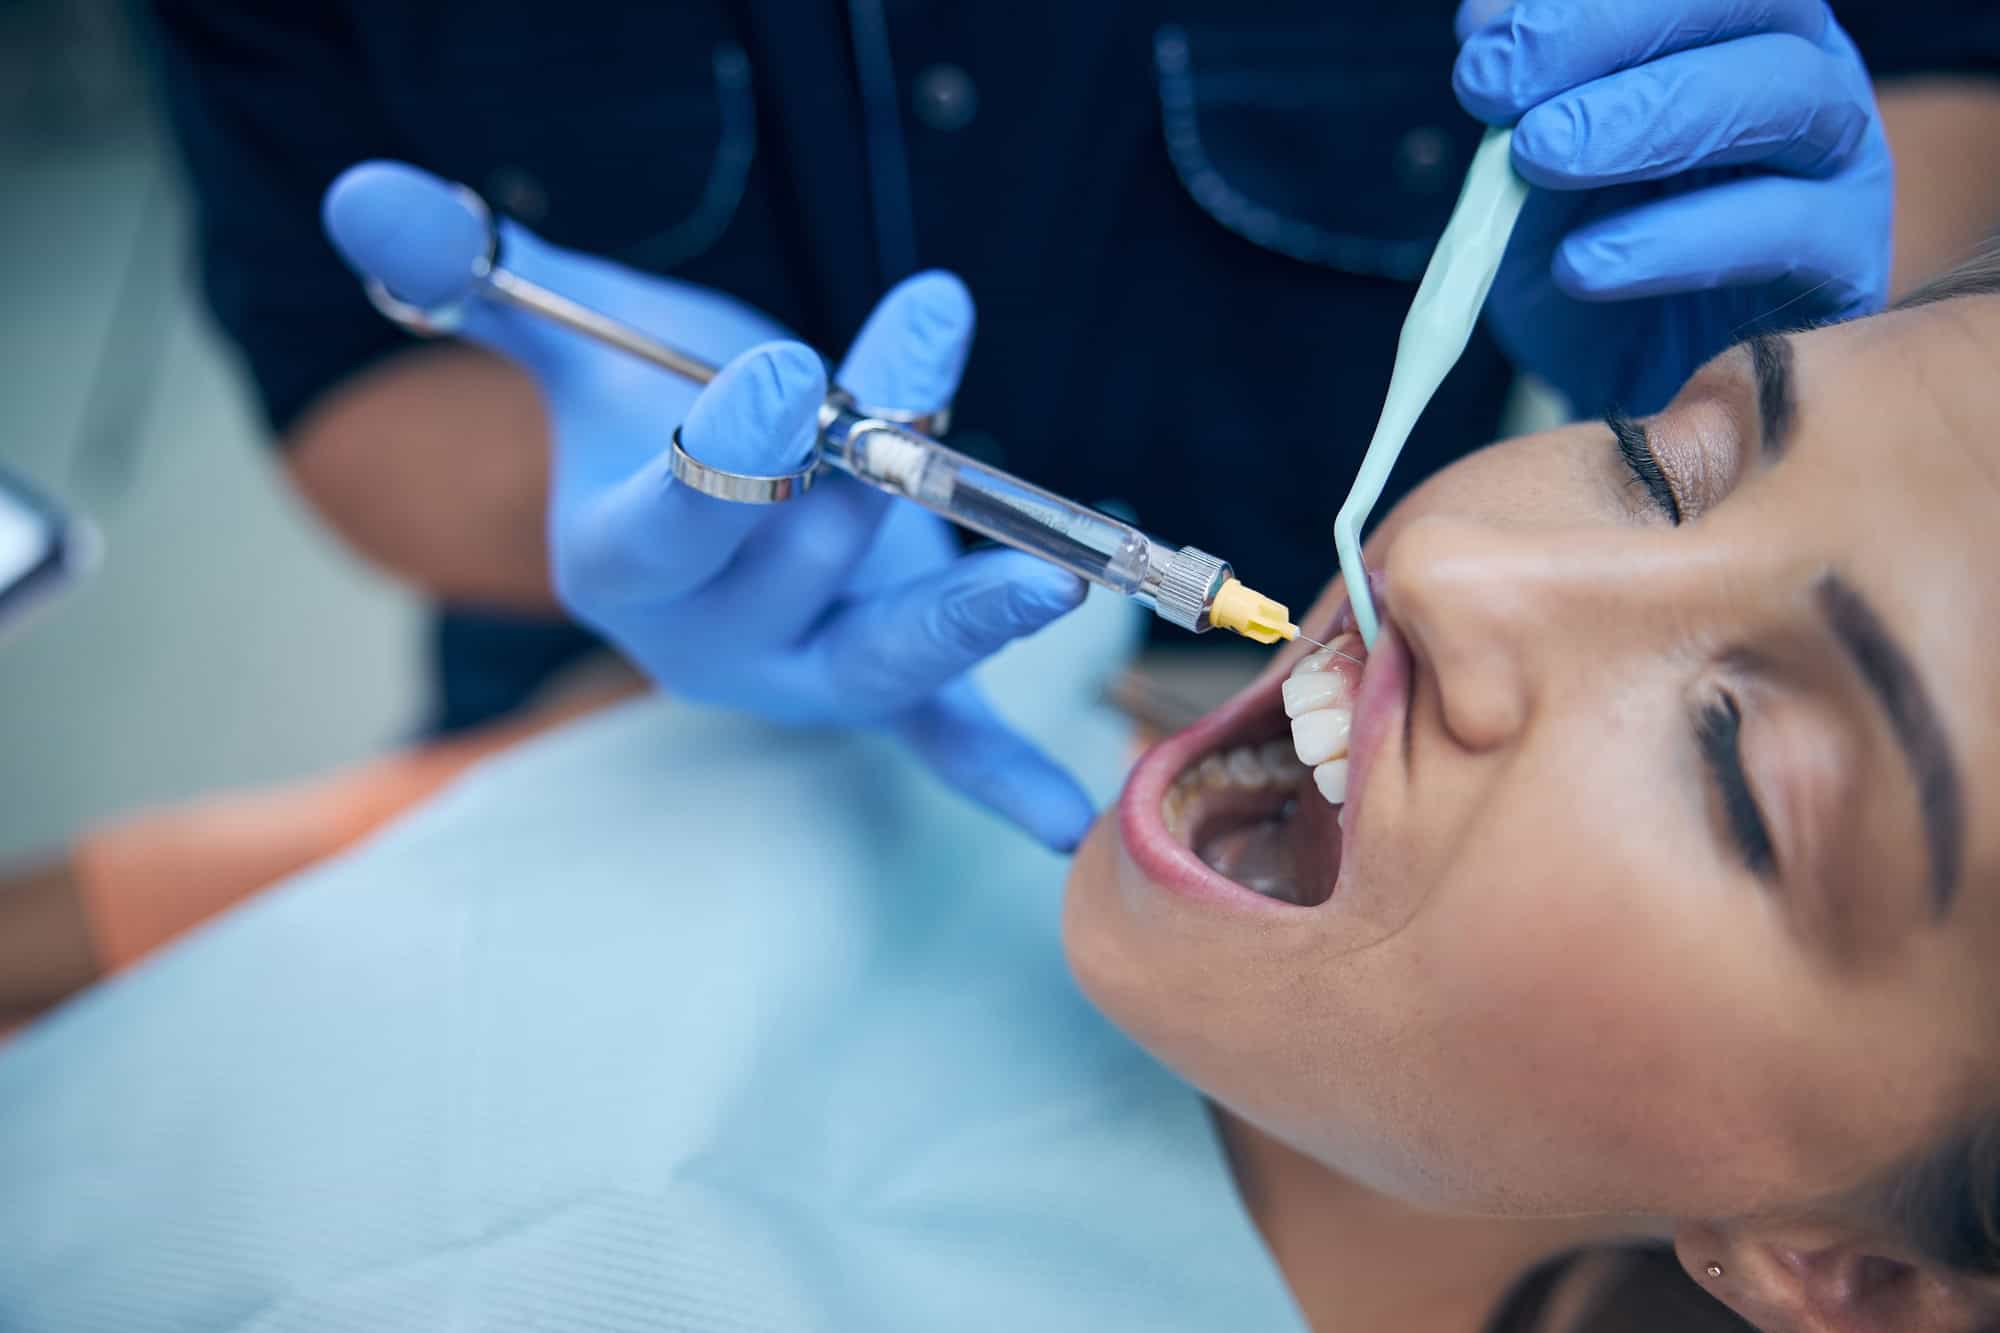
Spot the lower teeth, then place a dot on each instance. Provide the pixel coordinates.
(1244, 771)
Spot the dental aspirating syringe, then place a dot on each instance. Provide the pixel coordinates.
(890, 451)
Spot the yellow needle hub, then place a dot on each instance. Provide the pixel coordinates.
(1251, 614)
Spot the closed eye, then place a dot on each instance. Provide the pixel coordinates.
(1719, 732)
(1637, 451)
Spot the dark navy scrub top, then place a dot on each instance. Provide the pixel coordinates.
(1192, 229)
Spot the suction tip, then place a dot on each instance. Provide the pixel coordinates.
(416, 233)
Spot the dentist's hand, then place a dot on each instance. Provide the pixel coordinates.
(1706, 169)
(840, 607)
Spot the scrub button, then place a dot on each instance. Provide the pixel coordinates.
(519, 195)
(946, 98)
(1423, 159)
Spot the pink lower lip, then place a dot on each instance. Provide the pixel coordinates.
(1158, 854)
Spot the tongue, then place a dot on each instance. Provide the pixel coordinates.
(1293, 855)
(1258, 856)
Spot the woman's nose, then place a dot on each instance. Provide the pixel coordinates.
(1490, 610)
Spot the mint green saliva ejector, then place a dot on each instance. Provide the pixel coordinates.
(1435, 332)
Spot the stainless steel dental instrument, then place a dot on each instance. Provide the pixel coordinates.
(896, 453)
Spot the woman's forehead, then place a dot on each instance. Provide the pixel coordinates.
(1896, 440)
(1933, 369)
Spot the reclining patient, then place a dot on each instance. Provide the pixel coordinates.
(1639, 898)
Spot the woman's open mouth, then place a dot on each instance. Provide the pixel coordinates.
(1252, 797)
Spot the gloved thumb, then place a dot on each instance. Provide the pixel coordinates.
(415, 233)
(427, 242)
(650, 539)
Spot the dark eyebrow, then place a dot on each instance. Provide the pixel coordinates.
(1896, 685)
(1771, 364)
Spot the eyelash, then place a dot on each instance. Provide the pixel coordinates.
(1719, 730)
(1719, 725)
(1637, 452)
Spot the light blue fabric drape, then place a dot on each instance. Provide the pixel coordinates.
(668, 1021)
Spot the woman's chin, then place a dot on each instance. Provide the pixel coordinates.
(1112, 938)
(1090, 926)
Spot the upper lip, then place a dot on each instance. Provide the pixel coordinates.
(1380, 707)
(1140, 824)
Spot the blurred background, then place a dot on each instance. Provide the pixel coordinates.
(225, 638)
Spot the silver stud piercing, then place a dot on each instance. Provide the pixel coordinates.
(1715, 1270)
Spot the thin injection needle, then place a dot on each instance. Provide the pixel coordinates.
(1335, 651)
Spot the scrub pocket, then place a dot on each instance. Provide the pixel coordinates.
(1314, 140)
(632, 138)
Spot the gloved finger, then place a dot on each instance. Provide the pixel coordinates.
(1473, 15)
(909, 541)
(1537, 49)
(959, 736)
(650, 538)
(911, 352)
(1771, 100)
(780, 585)
(798, 567)
(905, 643)
(1759, 229)
(907, 356)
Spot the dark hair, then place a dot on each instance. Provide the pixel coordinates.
(1630, 1289)
(1947, 1203)
(1977, 276)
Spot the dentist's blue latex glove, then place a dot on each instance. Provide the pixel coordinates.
(842, 607)
(1706, 169)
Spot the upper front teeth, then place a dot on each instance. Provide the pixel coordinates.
(1331, 779)
(1322, 735)
(1318, 689)
(1319, 698)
